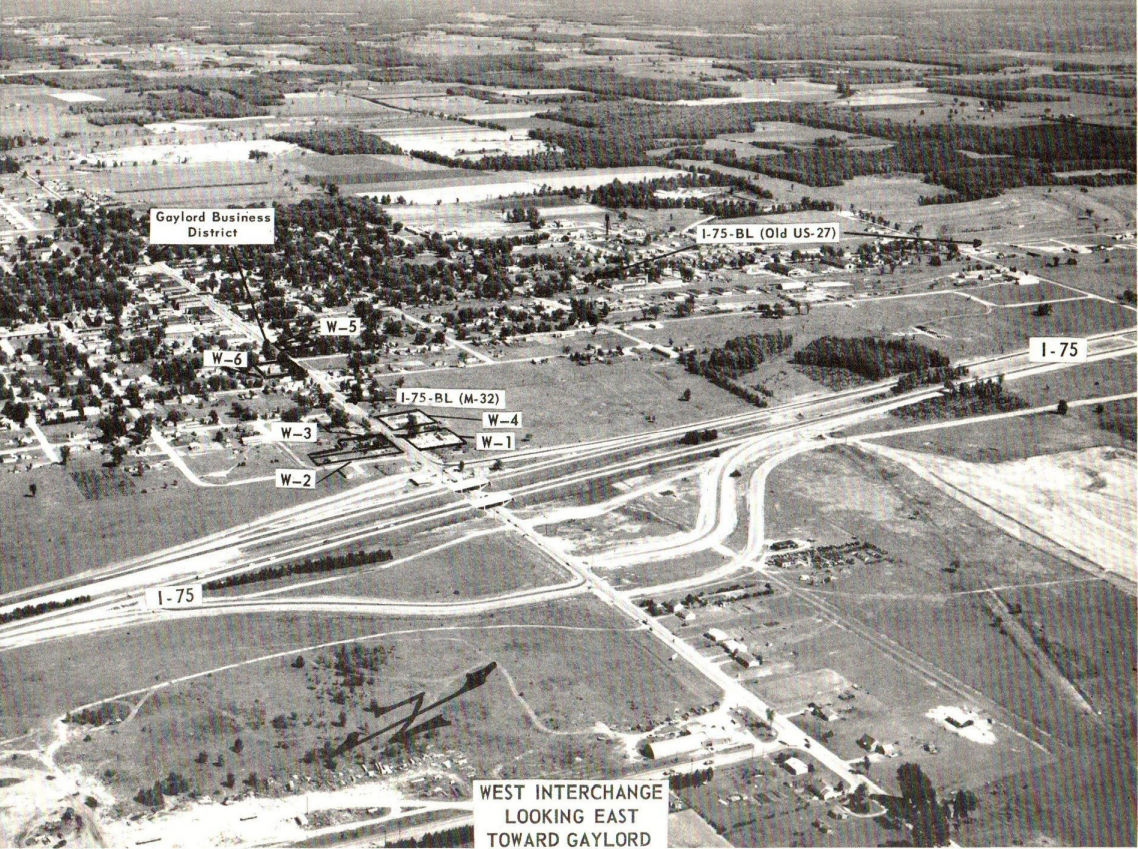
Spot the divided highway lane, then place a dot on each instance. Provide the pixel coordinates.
(192, 559)
(95, 620)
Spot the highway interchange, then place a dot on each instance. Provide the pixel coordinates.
(757, 440)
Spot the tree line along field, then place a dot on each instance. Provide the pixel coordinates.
(477, 567)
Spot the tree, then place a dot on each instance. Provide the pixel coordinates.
(118, 453)
(238, 746)
(928, 818)
(32, 490)
(64, 454)
(151, 796)
(1061, 409)
(17, 411)
(859, 801)
(686, 396)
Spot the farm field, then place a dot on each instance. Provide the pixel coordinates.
(463, 140)
(328, 104)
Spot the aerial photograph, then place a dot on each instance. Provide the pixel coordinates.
(568, 424)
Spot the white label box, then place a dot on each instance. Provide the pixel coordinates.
(494, 441)
(1057, 349)
(493, 399)
(340, 325)
(180, 226)
(617, 814)
(174, 598)
(296, 479)
(293, 431)
(727, 233)
(225, 359)
(498, 420)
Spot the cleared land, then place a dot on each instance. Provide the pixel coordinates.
(1084, 500)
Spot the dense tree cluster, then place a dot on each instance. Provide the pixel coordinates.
(699, 437)
(339, 141)
(740, 355)
(155, 796)
(308, 566)
(29, 610)
(460, 835)
(979, 398)
(927, 377)
(869, 356)
(695, 778)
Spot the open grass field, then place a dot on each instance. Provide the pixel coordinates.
(60, 532)
(664, 571)
(226, 151)
(970, 329)
(1108, 279)
(562, 402)
(1008, 294)
(1088, 380)
(1018, 214)
(541, 652)
(1010, 329)
(1015, 438)
(479, 567)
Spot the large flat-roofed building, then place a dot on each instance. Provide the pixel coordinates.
(675, 746)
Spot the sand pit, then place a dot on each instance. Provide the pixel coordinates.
(464, 141)
(1083, 500)
(76, 97)
(965, 722)
(228, 151)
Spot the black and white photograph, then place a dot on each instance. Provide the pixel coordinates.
(568, 424)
